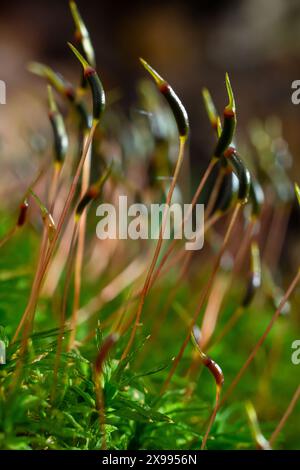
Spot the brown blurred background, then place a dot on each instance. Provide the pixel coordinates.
(256, 41)
(191, 44)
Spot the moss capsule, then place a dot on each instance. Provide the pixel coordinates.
(95, 84)
(211, 365)
(242, 173)
(176, 106)
(228, 191)
(86, 199)
(46, 216)
(92, 193)
(82, 35)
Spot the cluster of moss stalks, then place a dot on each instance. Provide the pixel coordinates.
(140, 345)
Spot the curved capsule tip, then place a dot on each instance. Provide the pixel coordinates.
(82, 34)
(95, 84)
(230, 108)
(211, 111)
(255, 280)
(158, 79)
(86, 66)
(107, 344)
(177, 108)
(56, 80)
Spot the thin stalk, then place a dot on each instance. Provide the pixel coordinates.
(193, 203)
(53, 187)
(172, 245)
(229, 325)
(286, 415)
(262, 338)
(182, 142)
(108, 343)
(164, 313)
(13, 230)
(218, 376)
(31, 302)
(211, 420)
(214, 195)
(203, 297)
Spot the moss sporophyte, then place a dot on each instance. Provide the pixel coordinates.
(136, 337)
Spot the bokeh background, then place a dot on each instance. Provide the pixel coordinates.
(191, 44)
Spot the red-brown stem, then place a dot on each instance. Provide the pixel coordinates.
(262, 338)
(285, 417)
(181, 254)
(212, 419)
(53, 187)
(203, 297)
(182, 142)
(243, 248)
(41, 274)
(193, 203)
(79, 252)
(69, 267)
(31, 302)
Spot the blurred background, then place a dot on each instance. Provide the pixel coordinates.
(192, 45)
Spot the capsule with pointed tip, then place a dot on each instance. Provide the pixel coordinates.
(176, 106)
(92, 193)
(22, 213)
(229, 125)
(242, 173)
(107, 345)
(95, 84)
(64, 88)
